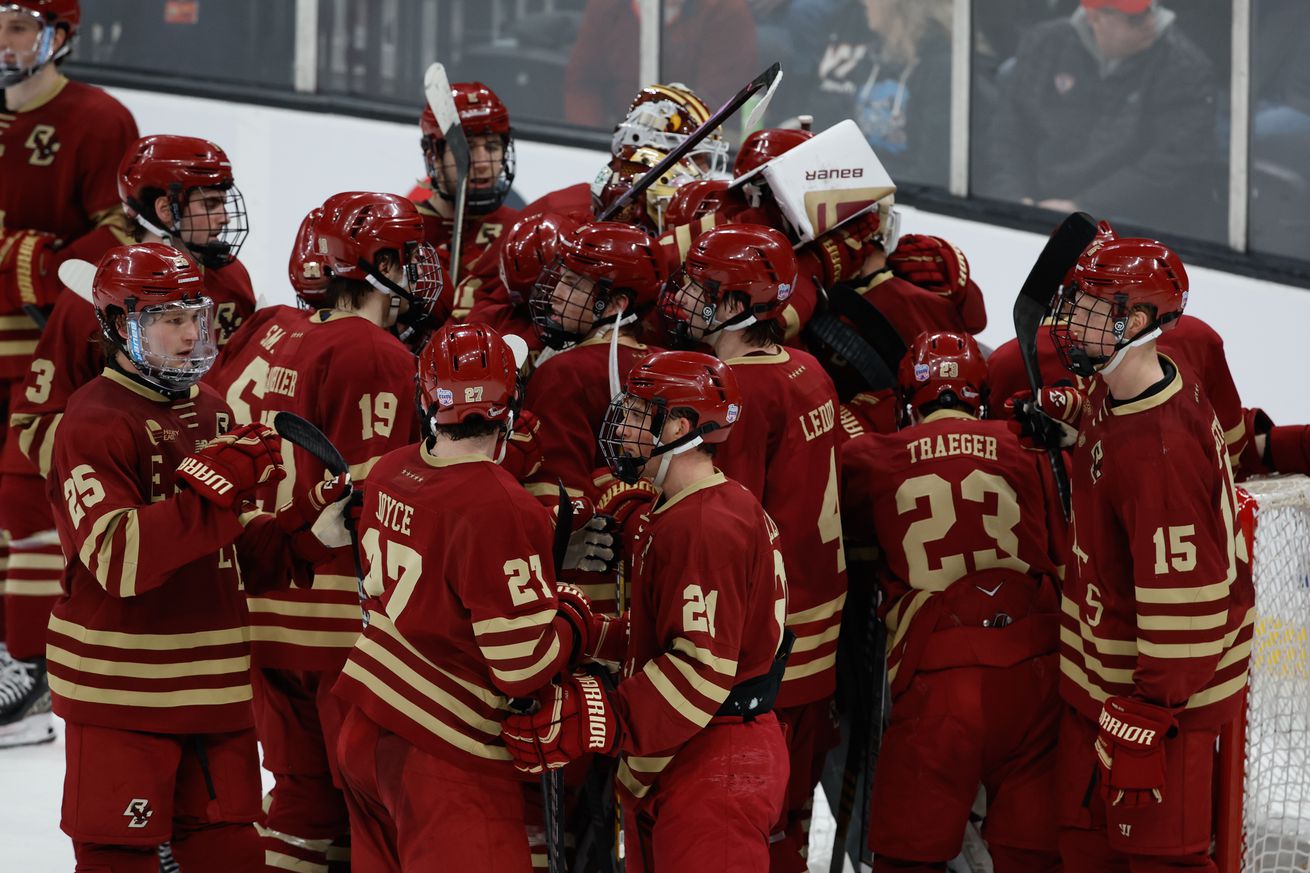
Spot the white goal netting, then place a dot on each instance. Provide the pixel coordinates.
(1276, 801)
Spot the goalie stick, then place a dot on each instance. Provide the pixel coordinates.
(769, 80)
(1061, 252)
(303, 433)
(436, 87)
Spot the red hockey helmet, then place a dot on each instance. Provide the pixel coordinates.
(50, 16)
(174, 166)
(695, 199)
(662, 117)
(357, 227)
(529, 247)
(596, 262)
(763, 146)
(747, 259)
(305, 267)
(680, 384)
(467, 370)
(144, 285)
(945, 367)
(491, 171)
(1111, 279)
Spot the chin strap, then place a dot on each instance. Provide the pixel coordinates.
(502, 441)
(674, 448)
(1142, 338)
(614, 327)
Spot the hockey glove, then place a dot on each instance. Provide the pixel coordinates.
(523, 454)
(870, 412)
(1130, 751)
(28, 272)
(575, 719)
(229, 469)
(591, 547)
(1053, 419)
(574, 607)
(316, 520)
(931, 263)
(624, 503)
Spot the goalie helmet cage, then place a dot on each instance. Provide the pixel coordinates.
(1263, 775)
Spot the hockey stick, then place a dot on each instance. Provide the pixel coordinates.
(766, 80)
(303, 433)
(842, 339)
(1061, 252)
(77, 276)
(868, 319)
(436, 86)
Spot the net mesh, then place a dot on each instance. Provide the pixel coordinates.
(1276, 803)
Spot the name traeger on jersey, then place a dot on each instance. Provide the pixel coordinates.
(1177, 633)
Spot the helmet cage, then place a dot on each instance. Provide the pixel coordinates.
(478, 201)
(223, 247)
(1070, 314)
(420, 285)
(580, 312)
(649, 123)
(629, 414)
(166, 371)
(689, 309)
(43, 47)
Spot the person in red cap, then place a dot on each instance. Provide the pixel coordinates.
(1111, 110)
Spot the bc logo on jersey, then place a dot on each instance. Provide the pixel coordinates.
(43, 144)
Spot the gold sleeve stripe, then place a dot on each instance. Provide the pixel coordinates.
(15, 348)
(423, 686)
(14, 322)
(1194, 650)
(549, 489)
(153, 642)
(1124, 648)
(902, 615)
(814, 641)
(800, 671)
(151, 699)
(422, 718)
(297, 637)
(302, 609)
(630, 782)
(815, 613)
(1109, 674)
(1223, 691)
(46, 452)
(701, 655)
(1235, 433)
(32, 588)
(23, 268)
(250, 515)
(674, 698)
(649, 764)
(335, 582)
(1235, 655)
(511, 652)
(359, 472)
(139, 670)
(532, 670)
(1075, 674)
(521, 622)
(1200, 594)
(1182, 622)
(698, 681)
(382, 623)
(97, 550)
(35, 561)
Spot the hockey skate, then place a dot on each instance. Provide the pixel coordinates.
(25, 718)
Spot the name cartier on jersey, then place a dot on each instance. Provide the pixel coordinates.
(927, 448)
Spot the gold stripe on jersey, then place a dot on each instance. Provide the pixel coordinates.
(19, 347)
(383, 623)
(701, 655)
(28, 426)
(779, 357)
(98, 550)
(1206, 649)
(153, 642)
(405, 673)
(142, 670)
(1109, 674)
(1182, 622)
(1127, 648)
(549, 489)
(32, 587)
(1235, 433)
(359, 472)
(303, 609)
(536, 667)
(35, 561)
(800, 671)
(502, 625)
(814, 641)
(23, 268)
(510, 651)
(318, 639)
(1219, 692)
(15, 322)
(1199, 594)
(151, 699)
(815, 613)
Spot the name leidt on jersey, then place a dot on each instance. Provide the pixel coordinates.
(944, 445)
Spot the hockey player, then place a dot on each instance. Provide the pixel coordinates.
(1157, 599)
(179, 190)
(485, 121)
(148, 653)
(728, 296)
(59, 144)
(455, 632)
(342, 368)
(968, 536)
(704, 764)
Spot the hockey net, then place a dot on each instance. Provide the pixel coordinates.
(1268, 782)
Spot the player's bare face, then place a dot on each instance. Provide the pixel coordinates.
(570, 303)
(634, 431)
(19, 34)
(486, 161)
(1091, 324)
(690, 307)
(204, 216)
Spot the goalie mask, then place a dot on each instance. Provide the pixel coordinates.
(353, 233)
(150, 302)
(205, 212)
(485, 121)
(598, 262)
(664, 385)
(946, 369)
(750, 260)
(1111, 280)
(662, 117)
(40, 22)
(624, 170)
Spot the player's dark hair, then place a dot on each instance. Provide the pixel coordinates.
(762, 333)
(345, 293)
(691, 415)
(470, 428)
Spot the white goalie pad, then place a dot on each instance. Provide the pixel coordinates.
(826, 181)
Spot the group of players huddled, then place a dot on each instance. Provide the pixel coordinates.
(601, 499)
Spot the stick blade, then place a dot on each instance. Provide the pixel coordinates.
(77, 276)
(299, 432)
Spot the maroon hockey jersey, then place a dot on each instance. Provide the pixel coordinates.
(1158, 597)
(355, 381)
(709, 600)
(59, 174)
(481, 234)
(784, 450)
(150, 633)
(460, 621)
(968, 529)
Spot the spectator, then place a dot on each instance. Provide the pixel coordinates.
(1111, 110)
(709, 44)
